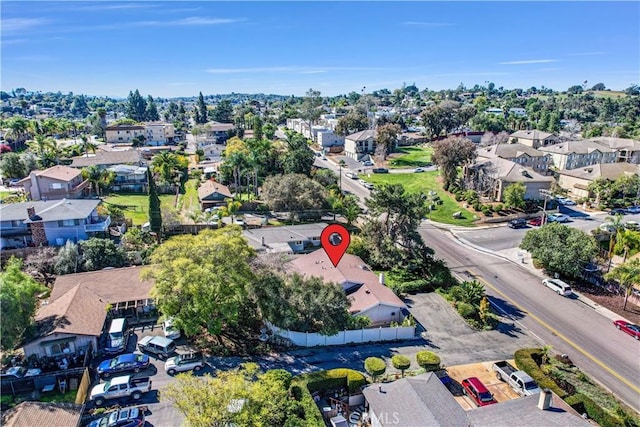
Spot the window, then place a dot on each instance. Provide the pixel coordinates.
(56, 186)
(68, 222)
(16, 223)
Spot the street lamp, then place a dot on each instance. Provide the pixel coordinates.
(544, 193)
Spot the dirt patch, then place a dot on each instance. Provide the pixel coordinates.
(610, 301)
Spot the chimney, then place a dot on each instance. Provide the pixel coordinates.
(381, 278)
(31, 211)
(544, 401)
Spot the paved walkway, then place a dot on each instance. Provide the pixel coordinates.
(523, 259)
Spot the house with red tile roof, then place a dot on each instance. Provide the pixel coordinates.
(368, 293)
(56, 183)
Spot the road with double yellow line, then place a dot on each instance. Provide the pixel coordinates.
(570, 326)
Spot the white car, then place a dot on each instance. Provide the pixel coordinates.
(239, 221)
(565, 201)
(367, 163)
(169, 330)
(351, 175)
(558, 217)
(416, 170)
(184, 362)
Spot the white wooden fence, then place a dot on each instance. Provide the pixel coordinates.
(314, 339)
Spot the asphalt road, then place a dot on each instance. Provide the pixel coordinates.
(568, 325)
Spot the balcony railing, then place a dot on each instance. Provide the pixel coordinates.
(98, 226)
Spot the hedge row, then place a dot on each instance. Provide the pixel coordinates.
(335, 378)
(582, 404)
(528, 360)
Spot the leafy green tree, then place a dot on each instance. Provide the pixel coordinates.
(560, 249)
(18, 302)
(293, 193)
(269, 130)
(136, 106)
(98, 253)
(451, 153)
(428, 360)
(11, 166)
(352, 122)
(301, 304)
(155, 213)
(151, 111)
(375, 367)
(201, 115)
(68, 259)
(401, 362)
(311, 107)
(627, 275)
(386, 138)
(202, 280)
(223, 112)
(18, 130)
(513, 195)
(326, 177)
(98, 178)
(257, 128)
(171, 167)
(242, 396)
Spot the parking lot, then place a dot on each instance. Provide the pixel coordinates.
(160, 412)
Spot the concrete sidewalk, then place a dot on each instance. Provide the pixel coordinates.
(523, 259)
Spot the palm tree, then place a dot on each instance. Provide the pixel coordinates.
(92, 174)
(18, 130)
(87, 145)
(165, 164)
(231, 209)
(39, 145)
(627, 275)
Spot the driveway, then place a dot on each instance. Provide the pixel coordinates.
(449, 336)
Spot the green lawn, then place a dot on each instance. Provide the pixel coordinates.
(412, 157)
(5, 194)
(425, 182)
(189, 200)
(136, 206)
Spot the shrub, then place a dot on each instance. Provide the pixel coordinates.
(458, 197)
(528, 360)
(477, 206)
(499, 207)
(401, 362)
(486, 210)
(428, 360)
(335, 378)
(582, 404)
(470, 196)
(466, 310)
(375, 366)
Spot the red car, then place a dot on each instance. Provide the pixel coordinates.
(630, 328)
(474, 388)
(536, 222)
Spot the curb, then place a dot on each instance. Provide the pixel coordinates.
(581, 298)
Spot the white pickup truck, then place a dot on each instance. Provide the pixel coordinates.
(118, 387)
(520, 381)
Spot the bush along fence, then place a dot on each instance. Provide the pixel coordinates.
(314, 339)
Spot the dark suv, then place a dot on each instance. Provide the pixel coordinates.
(380, 170)
(517, 223)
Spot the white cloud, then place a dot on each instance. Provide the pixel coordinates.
(118, 6)
(16, 25)
(427, 24)
(529, 61)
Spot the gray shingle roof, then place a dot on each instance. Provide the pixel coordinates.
(415, 401)
(577, 147)
(610, 171)
(107, 158)
(53, 210)
(509, 151)
(508, 171)
(531, 134)
(362, 135)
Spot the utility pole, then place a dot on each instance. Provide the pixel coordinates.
(544, 193)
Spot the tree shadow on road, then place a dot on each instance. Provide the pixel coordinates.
(505, 308)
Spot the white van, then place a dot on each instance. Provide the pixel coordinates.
(558, 286)
(118, 336)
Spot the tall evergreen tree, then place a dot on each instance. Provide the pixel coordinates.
(136, 106)
(223, 112)
(155, 215)
(151, 112)
(201, 110)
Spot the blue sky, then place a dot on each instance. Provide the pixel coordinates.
(167, 48)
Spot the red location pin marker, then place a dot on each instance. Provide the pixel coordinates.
(335, 240)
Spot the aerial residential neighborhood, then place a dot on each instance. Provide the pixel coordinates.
(218, 214)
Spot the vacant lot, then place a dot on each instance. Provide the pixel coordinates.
(136, 206)
(423, 183)
(411, 157)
